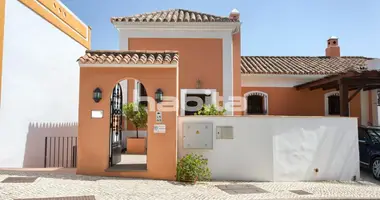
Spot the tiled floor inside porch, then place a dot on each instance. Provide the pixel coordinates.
(130, 162)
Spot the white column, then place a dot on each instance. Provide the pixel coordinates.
(227, 73)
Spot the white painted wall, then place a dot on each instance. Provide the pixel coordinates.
(40, 79)
(270, 148)
(35, 144)
(375, 108)
(272, 80)
(124, 89)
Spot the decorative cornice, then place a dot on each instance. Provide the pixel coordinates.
(180, 26)
(61, 17)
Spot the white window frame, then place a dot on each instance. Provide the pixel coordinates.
(185, 92)
(250, 93)
(333, 93)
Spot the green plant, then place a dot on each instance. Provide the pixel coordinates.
(136, 113)
(210, 110)
(193, 168)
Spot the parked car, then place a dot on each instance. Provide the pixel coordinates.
(369, 149)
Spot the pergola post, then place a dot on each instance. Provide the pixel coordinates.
(343, 96)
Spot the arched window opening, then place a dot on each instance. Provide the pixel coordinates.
(257, 103)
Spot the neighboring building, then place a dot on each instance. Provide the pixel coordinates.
(39, 43)
(209, 48)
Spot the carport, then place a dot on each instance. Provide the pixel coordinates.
(351, 80)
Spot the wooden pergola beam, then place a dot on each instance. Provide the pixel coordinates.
(354, 94)
(326, 80)
(371, 87)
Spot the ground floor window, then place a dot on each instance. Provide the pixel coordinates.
(256, 103)
(143, 96)
(332, 103)
(140, 94)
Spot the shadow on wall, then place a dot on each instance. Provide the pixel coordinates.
(34, 156)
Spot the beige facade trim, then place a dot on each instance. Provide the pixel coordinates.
(58, 15)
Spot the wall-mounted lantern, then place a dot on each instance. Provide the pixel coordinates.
(159, 95)
(97, 95)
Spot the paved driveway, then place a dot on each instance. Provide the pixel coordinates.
(26, 185)
(367, 176)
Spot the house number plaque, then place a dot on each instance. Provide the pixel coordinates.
(158, 117)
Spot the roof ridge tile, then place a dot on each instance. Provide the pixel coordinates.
(179, 15)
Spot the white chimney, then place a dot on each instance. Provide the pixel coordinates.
(234, 14)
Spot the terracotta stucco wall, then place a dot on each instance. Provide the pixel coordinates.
(289, 101)
(93, 134)
(200, 59)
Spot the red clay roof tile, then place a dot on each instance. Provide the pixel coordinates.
(307, 65)
(173, 15)
(128, 57)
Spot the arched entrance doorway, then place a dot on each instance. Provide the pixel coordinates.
(129, 119)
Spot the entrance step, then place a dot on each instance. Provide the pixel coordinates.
(127, 167)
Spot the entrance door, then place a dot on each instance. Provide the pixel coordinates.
(116, 117)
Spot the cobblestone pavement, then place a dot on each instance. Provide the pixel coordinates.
(104, 188)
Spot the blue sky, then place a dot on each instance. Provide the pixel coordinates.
(270, 27)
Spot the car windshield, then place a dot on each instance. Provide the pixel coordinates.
(375, 135)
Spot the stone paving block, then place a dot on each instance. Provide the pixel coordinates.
(63, 198)
(300, 192)
(241, 189)
(19, 180)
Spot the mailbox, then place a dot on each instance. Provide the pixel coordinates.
(224, 132)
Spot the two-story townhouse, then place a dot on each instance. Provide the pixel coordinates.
(197, 54)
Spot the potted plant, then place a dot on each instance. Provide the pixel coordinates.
(138, 116)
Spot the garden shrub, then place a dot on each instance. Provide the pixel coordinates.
(193, 168)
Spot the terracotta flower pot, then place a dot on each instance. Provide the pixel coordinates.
(136, 145)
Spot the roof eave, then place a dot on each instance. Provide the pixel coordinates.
(188, 26)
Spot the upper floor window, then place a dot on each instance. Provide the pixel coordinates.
(257, 103)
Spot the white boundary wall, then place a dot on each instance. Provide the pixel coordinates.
(276, 148)
(40, 84)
